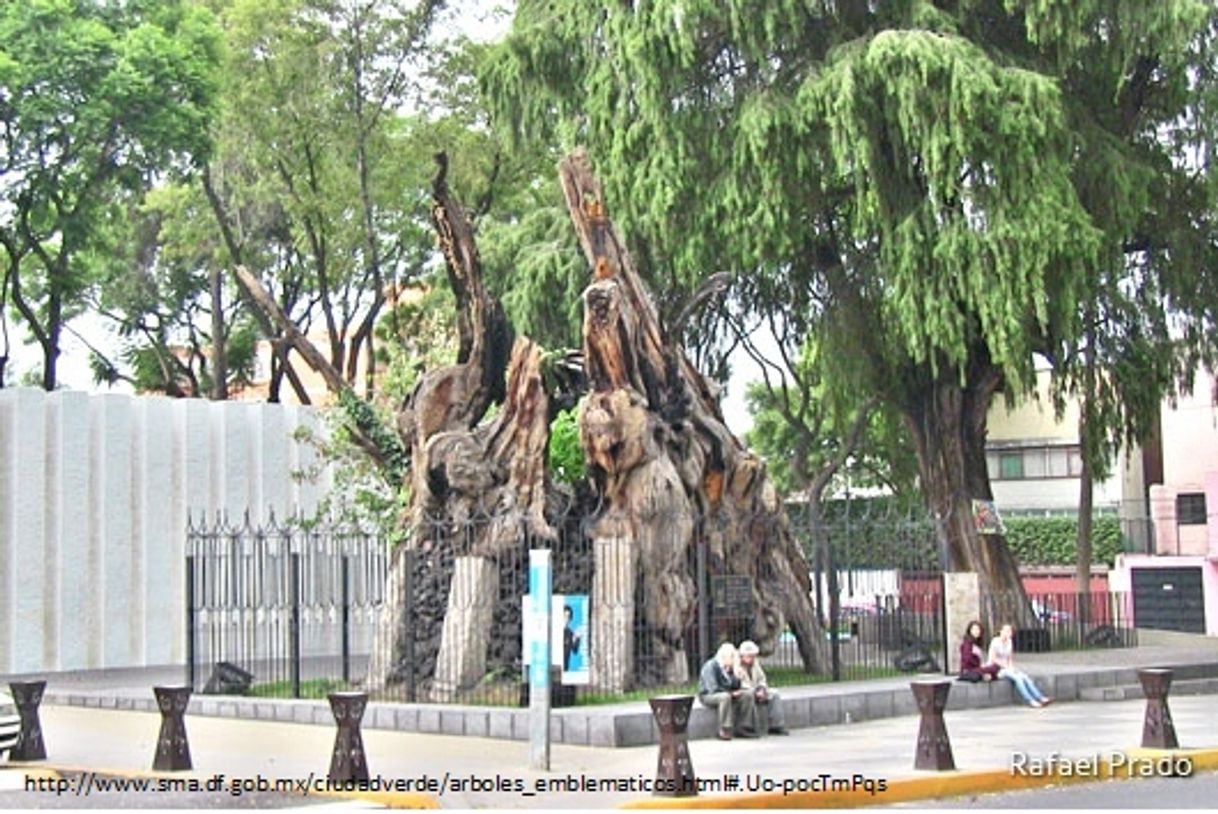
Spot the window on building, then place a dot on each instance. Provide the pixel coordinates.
(1034, 463)
(1190, 508)
(1010, 465)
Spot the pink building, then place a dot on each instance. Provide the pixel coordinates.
(1176, 587)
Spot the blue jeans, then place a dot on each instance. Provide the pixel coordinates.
(1024, 684)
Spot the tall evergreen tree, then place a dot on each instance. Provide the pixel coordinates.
(955, 179)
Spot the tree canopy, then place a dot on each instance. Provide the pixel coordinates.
(949, 184)
(97, 100)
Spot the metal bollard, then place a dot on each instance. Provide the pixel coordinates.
(934, 747)
(348, 761)
(1158, 731)
(172, 746)
(674, 770)
(27, 695)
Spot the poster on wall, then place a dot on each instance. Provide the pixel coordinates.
(986, 518)
(571, 629)
(568, 637)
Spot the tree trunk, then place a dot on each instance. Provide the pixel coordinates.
(50, 350)
(1082, 578)
(948, 424)
(660, 454)
(219, 342)
(1087, 450)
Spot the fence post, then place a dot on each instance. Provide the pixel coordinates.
(835, 607)
(540, 591)
(346, 616)
(294, 623)
(943, 634)
(190, 620)
(412, 687)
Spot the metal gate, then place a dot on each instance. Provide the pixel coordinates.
(1169, 599)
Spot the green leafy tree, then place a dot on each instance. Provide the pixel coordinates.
(933, 172)
(157, 279)
(311, 189)
(96, 99)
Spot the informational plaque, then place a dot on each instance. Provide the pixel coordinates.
(732, 595)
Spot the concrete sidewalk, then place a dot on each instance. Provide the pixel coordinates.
(480, 772)
(1068, 676)
(875, 758)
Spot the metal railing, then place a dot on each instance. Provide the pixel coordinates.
(298, 609)
(284, 601)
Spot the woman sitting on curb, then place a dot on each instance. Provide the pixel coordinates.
(1002, 653)
(971, 667)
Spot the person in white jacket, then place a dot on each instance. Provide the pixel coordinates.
(1002, 653)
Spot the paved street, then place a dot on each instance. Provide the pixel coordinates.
(1200, 792)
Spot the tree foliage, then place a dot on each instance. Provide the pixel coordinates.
(948, 183)
(96, 101)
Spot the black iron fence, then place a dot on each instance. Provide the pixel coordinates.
(279, 605)
(294, 609)
(1065, 620)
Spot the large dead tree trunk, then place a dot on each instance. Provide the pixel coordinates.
(671, 475)
(476, 492)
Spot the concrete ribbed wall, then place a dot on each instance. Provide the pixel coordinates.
(95, 491)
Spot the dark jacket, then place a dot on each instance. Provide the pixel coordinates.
(971, 668)
(714, 678)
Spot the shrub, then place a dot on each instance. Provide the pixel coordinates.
(1054, 540)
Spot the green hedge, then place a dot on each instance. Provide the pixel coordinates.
(1054, 540)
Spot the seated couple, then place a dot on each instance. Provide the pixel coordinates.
(999, 663)
(735, 685)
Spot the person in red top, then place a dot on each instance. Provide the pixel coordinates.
(972, 656)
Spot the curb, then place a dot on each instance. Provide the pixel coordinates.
(952, 784)
(388, 799)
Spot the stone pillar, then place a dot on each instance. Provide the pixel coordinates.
(306, 430)
(272, 476)
(934, 749)
(8, 524)
(1163, 515)
(23, 530)
(348, 761)
(159, 546)
(231, 449)
(110, 555)
(612, 646)
(27, 695)
(674, 768)
(461, 662)
(172, 746)
(1158, 731)
(962, 600)
(189, 495)
(1211, 503)
(67, 511)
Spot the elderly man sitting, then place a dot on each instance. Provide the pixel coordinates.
(718, 687)
(767, 708)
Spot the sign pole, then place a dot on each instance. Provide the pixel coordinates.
(539, 622)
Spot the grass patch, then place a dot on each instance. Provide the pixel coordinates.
(506, 693)
(312, 689)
